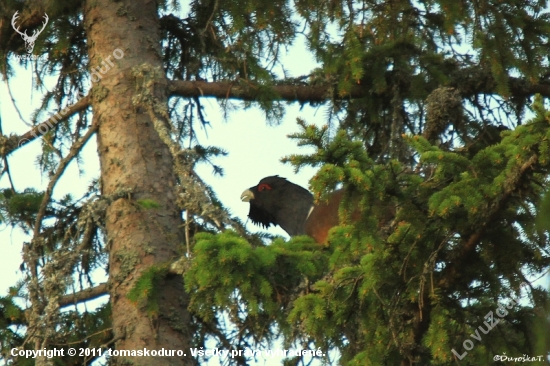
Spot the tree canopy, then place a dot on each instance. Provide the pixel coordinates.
(437, 128)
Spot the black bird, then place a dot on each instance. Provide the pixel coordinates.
(276, 201)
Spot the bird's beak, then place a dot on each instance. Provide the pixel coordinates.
(247, 195)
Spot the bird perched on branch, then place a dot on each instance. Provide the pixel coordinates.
(276, 201)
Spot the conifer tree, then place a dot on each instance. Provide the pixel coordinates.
(438, 130)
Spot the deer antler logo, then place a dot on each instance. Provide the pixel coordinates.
(29, 40)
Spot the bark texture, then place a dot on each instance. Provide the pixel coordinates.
(135, 160)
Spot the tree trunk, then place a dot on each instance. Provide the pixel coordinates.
(121, 36)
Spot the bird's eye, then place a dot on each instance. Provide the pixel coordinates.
(263, 187)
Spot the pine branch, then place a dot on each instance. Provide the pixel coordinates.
(85, 295)
(13, 143)
(469, 81)
(75, 149)
(230, 90)
(512, 184)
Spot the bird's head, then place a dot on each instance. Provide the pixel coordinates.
(276, 201)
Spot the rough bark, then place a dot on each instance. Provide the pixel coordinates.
(133, 158)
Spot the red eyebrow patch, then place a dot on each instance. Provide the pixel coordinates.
(263, 187)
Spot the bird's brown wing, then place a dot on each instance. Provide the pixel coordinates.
(323, 217)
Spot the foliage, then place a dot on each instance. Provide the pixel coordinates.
(144, 293)
(458, 221)
(252, 285)
(19, 207)
(148, 204)
(384, 280)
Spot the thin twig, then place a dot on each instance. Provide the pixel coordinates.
(75, 149)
